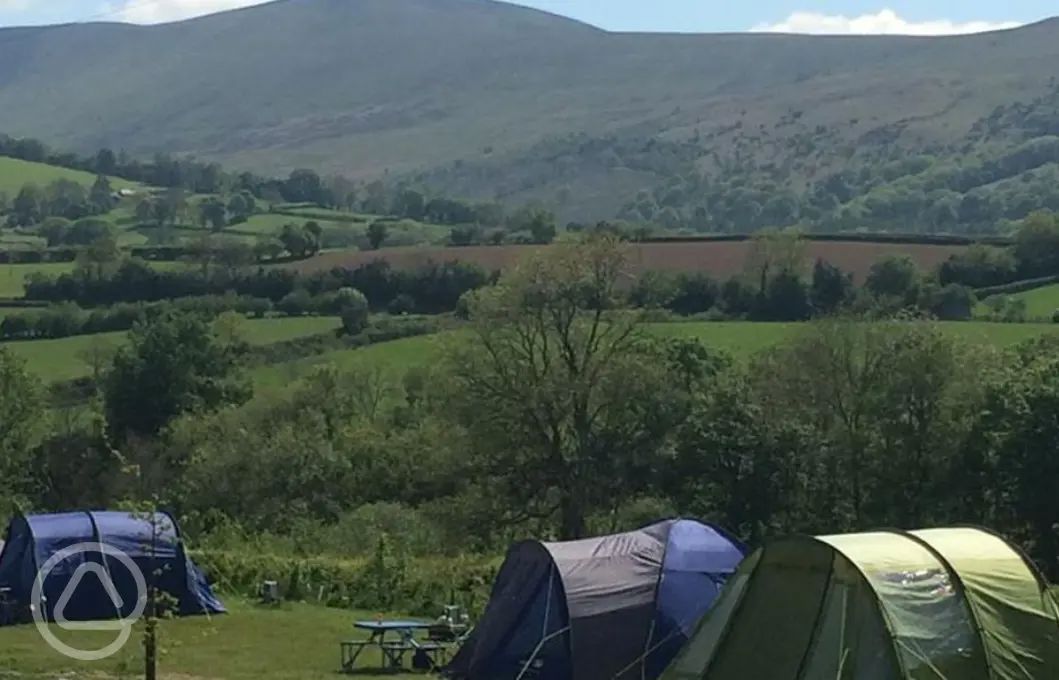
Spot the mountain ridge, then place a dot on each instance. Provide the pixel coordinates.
(413, 88)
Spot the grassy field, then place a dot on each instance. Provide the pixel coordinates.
(58, 360)
(1041, 303)
(395, 357)
(296, 641)
(13, 276)
(14, 174)
(739, 338)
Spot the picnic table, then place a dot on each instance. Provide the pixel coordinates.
(402, 641)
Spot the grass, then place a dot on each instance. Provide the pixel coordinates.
(13, 276)
(395, 357)
(739, 338)
(60, 360)
(15, 174)
(296, 641)
(1041, 303)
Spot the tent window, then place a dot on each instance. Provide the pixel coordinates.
(934, 635)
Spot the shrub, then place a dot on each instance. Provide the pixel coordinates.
(355, 312)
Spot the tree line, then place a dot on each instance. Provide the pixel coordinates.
(557, 413)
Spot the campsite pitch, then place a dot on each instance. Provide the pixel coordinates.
(292, 642)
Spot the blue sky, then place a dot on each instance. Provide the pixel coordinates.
(811, 16)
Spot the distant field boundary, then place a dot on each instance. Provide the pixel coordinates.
(309, 214)
(880, 237)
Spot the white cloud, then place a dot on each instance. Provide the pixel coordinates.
(14, 5)
(886, 22)
(159, 11)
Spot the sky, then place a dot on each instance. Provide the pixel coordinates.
(914, 17)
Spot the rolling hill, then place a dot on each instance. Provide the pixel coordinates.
(487, 100)
(14, 174)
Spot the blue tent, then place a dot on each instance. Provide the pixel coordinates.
(153, 545)
(619, 606)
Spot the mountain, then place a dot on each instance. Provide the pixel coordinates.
(489, 100)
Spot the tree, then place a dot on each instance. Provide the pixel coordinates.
(66, 198)
(55, 230)
(304, 186)
(785, 299)
(87, 231)
(1016, 431)
(696, 293)
(563, 401)
(101, 195)
(409, 203)
(145, 211)
(354, 310)
(377, 233)
(106, 162)
(296, 240)
(831, 288)
(172, 365)
(1037, 245)
(22, 408)
(213, 214)
(774, 252)
(894, 277)
(28, 206)
(99, 259)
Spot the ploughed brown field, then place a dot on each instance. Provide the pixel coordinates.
(720, 259)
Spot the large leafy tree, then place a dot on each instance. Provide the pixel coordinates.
(175, 364)
(22, 411)
(1013, 454)
(565, 404)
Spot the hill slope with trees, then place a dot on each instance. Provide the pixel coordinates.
(707, 132)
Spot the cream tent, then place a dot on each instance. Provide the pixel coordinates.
(940, 604)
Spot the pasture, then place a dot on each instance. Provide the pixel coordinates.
(1041, 303)
(251, 642)
(15, 174)
(741, 339)
(68, 358)
(719, 259)
(13, 276)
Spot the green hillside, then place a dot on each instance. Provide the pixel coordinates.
(15, 174)
(708, 132)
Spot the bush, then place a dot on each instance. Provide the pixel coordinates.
(296, 303)
(421, 585)
(1055, 316)
(355, 312)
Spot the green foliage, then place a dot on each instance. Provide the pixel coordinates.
(354, 310)
(21, 405)
(377, 233)
(425, 584)
(175, 364)
(1037, 245)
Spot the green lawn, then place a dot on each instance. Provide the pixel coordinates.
(294, 642)
(59, 360)
(14, 174)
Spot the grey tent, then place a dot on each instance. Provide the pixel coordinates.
(618, 606)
